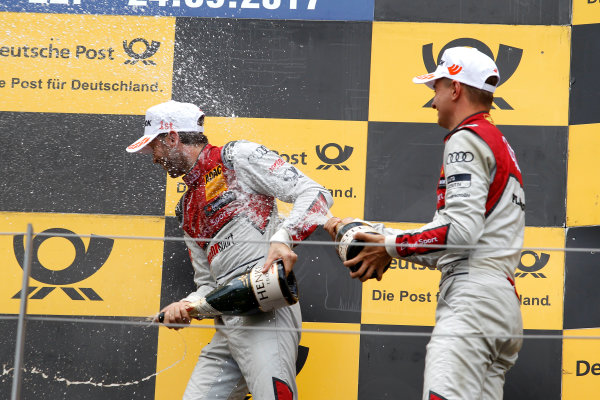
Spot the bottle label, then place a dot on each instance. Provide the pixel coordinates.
(266, 288)
(348, 238)
(202, 309)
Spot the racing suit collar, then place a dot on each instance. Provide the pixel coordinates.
(192, 176)
(485, 115)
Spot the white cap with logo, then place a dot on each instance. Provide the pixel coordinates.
(466, 65)
(167, 117)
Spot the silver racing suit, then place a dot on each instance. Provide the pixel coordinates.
(480, 205)
(229, 216)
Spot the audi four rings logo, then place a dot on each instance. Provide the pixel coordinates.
(86, 263)
(149, 51)
(539, 262)
(507, 60)
(459, 156)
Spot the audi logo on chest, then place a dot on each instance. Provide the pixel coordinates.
(459, 156)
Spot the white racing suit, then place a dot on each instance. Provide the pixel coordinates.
(231, 202)
(480, 203)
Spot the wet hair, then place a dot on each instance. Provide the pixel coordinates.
(481, 96)
(192, 138)
(189, 138)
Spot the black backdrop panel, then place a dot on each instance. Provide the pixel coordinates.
(327, 293)
(391, 367)
(582, 277)
(403, 169)
(178, 272)
(273, 69)
(77, 163)
(81, 352)
(585, 85)
(404, 160)
(538, 371)
(542, 155)
(511, 12)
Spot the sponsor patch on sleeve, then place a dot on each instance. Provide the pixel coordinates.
(458, 181)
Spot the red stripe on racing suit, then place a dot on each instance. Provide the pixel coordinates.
(506, 161)
(282, 390)
(409, 244)
(435, 396)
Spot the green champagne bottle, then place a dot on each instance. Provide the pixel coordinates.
(247, 294)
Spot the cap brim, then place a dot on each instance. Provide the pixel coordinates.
(141, 145)
(427, 79)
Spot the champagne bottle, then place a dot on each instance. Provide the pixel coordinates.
(247, 294)
(348, 247)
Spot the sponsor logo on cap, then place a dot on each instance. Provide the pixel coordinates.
(139, 143)
(425, 77)
(454, 69)
(165, 125)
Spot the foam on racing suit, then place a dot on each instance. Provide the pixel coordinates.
(229, 216)
(231, 197)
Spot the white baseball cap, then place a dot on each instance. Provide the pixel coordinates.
(464, 64)
(167, 117)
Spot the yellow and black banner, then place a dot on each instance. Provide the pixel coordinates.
(85, 63)
(330, 90)
(533, 62)
(98, 274)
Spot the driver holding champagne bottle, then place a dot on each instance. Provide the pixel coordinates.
(229, 208)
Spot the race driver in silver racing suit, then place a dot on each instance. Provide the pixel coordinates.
(480, 205)
(481, 211)
(475, 237)
(231, 199)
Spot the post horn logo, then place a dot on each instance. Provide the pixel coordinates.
(539, 263)
(149, 51)
(508, 61)
(342, 156)
(85, 264)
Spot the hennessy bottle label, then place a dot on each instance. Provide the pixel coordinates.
(267, 288)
